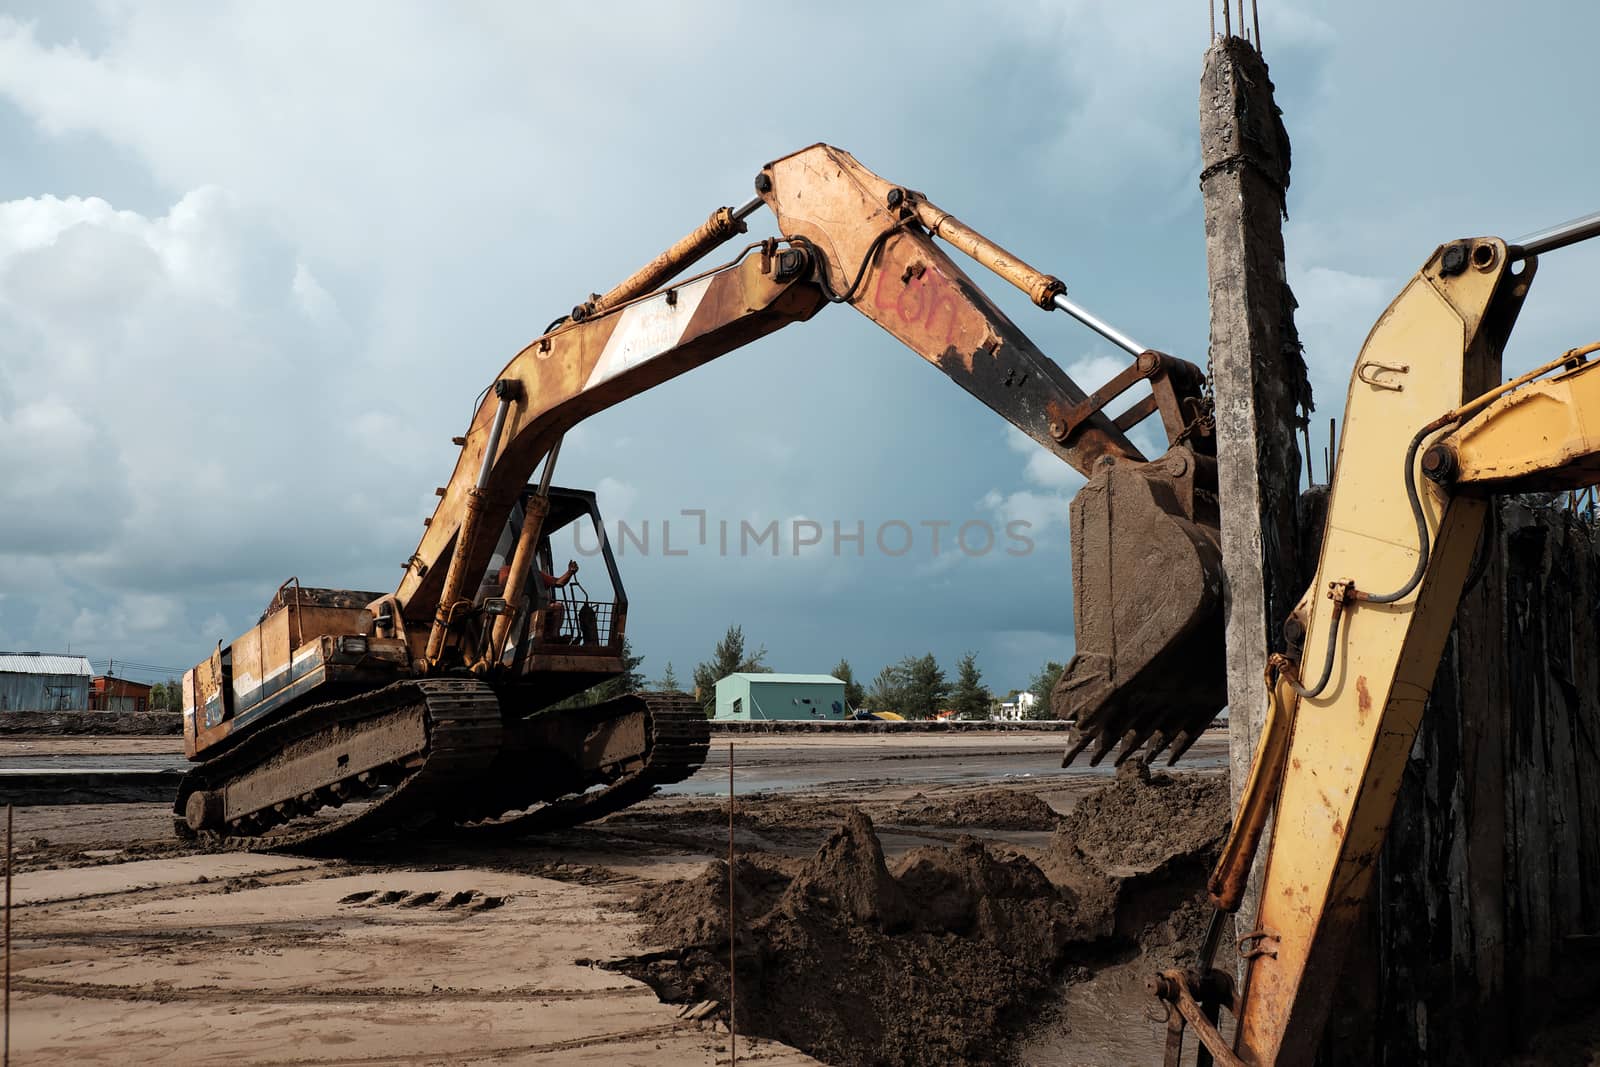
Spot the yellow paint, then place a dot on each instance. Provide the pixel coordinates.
(1547, 433)
(1349, 744)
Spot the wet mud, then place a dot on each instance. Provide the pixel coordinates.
(955, 953)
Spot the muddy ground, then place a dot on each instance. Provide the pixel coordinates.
(959, 952)
(900, 913)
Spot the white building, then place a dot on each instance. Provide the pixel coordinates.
(1015, 710)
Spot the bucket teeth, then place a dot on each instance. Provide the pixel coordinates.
(1158, 745)
(1130, 744)
(1182, 743)
(1079, 743)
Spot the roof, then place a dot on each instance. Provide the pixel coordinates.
(121, 683)
(44, 663)
(814, 679)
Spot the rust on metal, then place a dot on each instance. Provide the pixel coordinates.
(1196, 999)
(688, 250)
(1039, 286)
(1148, 668)
(1176, 391)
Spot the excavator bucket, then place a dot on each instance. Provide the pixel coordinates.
(1147, 599)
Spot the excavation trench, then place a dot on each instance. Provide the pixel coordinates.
(949, 954)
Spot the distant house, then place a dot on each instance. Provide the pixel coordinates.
(1018, 709)
(780, 696)
(109, 693)
(43, 681)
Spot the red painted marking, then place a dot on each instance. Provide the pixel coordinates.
(921, 301)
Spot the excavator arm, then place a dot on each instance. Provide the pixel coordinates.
(1428, 436)
(445, 700)
(850, 237)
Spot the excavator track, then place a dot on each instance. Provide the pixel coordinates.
(457, 720)
(680, 736)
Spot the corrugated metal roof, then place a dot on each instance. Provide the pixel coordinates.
(44, 663)
(826, 678)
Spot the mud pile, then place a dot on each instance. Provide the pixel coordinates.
(995, 809)
(1140, 851)
(945, 956)
(1144, 820)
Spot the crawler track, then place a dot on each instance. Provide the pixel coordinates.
(679, 734)
(462, 722)
(445, 736)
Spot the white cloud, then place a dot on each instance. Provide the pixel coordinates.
(1337, 309)
(63, 489)
(126, 618)
(616, 498)
(1041, 467)
(1043, 516)
(1337, 298)
(1094, 370)
(155, 400)
(311, 296)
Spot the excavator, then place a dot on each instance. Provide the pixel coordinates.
(1430, 434)
(464, 699)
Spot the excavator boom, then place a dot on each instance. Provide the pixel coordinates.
(1428, 434)
(1147, 667)
(474, 603)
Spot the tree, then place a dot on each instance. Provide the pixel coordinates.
(729, 657)
(854, 695)
(970, 697)
(166, 696)
(926, 687)
(886, 692)
(915, 687)
(668, 682)
(1042, 686)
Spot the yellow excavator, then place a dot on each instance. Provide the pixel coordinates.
(1430, 432)
(453, 701)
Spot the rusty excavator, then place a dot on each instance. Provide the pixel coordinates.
(448, 703)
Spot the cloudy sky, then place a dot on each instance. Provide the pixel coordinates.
(257, 260)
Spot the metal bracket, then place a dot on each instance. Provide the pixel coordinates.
(1256, 942)
(1179, 415)
(1194, 999)
(299, 623)
(1370, 371)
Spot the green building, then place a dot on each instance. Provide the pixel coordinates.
(780, 696)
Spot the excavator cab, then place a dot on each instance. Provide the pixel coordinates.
(568, 630)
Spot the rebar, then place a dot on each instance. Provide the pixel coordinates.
(1311, 463)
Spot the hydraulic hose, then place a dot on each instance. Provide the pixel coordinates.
(1286, 669)
(1424, 548)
